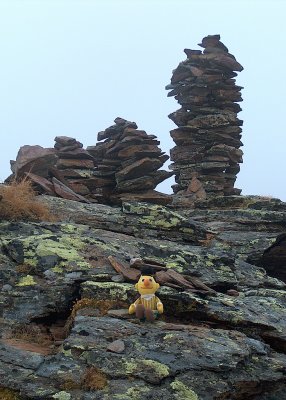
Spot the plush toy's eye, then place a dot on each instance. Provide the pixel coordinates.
(143, 280)
(150, 280)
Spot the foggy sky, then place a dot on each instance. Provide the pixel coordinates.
(71, 67)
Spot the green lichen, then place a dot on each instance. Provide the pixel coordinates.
(62, 396)
(182, 391)
(27, 280)
(133, 393)
(161, 370)
(155, 216)
(134, 366)
(169, 336)
(67, 353)
(130, 366)
(112, 290)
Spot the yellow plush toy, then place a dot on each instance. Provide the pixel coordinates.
(148, 305)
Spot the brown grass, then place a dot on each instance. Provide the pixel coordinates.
(102, 306)
(18, 201)
(94, 379)
(8, 394)
(31, 333)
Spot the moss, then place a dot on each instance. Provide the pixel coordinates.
(27, 280)
(182, 391)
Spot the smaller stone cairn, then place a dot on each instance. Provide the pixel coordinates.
(127, 165)
(206, 156)
(74, 165)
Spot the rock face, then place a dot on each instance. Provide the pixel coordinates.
(274, 258)
(128, 163)
(65, 331)
(207, 155)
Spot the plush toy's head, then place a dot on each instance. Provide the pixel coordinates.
(147, 284)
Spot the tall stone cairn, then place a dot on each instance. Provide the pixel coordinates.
(206, 156)
(128, 163)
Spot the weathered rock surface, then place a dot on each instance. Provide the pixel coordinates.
(65, 332)
(207, 155)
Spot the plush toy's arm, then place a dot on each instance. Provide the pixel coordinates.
(132, 307)
(160, 306)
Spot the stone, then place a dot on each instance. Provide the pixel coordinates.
(203, 345)
(117, 346)
(67, 193)
(128, 162)
(208, 133)
(273, 258)
(34, 159)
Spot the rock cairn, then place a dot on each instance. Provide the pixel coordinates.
(206, 156)
(65, 170)
(127, 165)
(124, 167)
(74, 165)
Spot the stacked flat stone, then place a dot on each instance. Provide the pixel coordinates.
(74, 165)
(127, 165)
(206, 156)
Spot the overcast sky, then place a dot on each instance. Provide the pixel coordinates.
(70, 67)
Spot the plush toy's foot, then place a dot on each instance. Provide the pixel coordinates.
(149, 315)
(140, 311)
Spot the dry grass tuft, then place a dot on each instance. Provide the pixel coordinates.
(18, 201)
(8, 394)
(94, 379)
(102, 306)
(31, 333)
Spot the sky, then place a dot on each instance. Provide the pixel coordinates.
(70, 67)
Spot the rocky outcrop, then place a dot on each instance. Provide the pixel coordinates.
(207, 153)
(65, 331)
(128, 165)
(274, 258)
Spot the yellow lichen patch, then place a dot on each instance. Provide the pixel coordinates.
(161, 370)
(27, 280)
(62, 396)
(133, 393)
(94, 379)
(134, 366)
(182, 391)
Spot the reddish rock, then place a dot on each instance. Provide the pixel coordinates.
(74, 163)
(44, 184)
(35, 159)
(67, 193)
